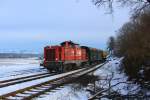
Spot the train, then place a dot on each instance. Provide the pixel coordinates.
(70, 56)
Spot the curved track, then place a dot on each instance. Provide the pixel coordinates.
(36, 90)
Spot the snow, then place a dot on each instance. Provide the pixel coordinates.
(18, 76)
(17, 61)
(12, 68)
(65, 93)
(111, 70)
(18, 66)
(31, 83)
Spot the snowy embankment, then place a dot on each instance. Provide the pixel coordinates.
(116, 78)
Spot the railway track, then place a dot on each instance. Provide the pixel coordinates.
(41, 88)
(9, 82)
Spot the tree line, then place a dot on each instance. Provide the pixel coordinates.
(133, 43)
(133, 38)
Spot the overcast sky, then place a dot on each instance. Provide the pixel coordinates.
(32, 24)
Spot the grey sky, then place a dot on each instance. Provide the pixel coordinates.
(31, 24)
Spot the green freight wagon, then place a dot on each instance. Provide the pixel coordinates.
(94, 55)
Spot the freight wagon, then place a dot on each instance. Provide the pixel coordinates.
(94, 55)
(69, 56)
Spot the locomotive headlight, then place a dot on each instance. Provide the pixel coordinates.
(56, 59)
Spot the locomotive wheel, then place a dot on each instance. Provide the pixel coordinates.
(74, 66)
(65, 68)
(69, 67)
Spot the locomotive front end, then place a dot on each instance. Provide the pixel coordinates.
(52, 58)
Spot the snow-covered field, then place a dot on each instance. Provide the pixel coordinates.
(18, 66)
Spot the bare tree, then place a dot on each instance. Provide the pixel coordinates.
(136, 5)
(133, 42)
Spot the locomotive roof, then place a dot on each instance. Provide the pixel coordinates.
(70, 42)
(90, 48)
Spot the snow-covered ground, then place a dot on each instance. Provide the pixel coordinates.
(64, 93)
(67, 92)
(18, 66)
(31, 83)
(112, 72)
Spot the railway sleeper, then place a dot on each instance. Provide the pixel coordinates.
(36, 91)
(30, 92)
(37, 94)
(33, 89)
(42, 88)
(51, 91)
(13, 98)
(46, 86)
(39, 89)
(22, 95)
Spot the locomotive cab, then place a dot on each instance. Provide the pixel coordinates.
(52, 58)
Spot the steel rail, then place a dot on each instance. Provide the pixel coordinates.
(31, 87)
(9, 82)
(41, 88)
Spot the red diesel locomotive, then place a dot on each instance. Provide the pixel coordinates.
(69, 56)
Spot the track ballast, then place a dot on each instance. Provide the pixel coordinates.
(41, 88)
